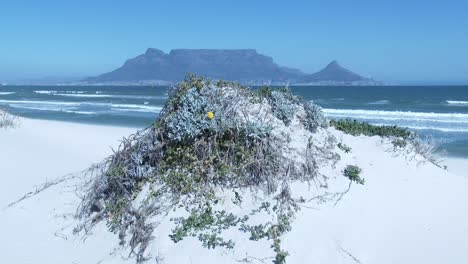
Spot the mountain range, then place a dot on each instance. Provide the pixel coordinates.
(243, 65)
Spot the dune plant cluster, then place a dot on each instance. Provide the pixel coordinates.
(284, 105)
(404, 141)
(400, 136)
(353, 172)
(216, 145)
(344, 147)
(7, 120)
(356, 128)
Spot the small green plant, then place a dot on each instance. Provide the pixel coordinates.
(207, 225)
(263, 92)
(344, 147)
(353, 172)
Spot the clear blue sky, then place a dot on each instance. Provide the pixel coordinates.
(401, 41)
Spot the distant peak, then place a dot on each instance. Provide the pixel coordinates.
(333, 64)
(153, 51)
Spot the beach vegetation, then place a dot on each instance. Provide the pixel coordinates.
(403, 140)
(285, 106)
(207, 149)
(357, 128)
(344, 147)
(353, 172)
(8, 120)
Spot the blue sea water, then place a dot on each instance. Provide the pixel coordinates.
(440, 112)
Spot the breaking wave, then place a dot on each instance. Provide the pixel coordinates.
(446, 122)
(379, 102)
(450, 102)
(123, 96)
(80, 107)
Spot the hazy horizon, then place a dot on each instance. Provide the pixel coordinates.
(397, 42)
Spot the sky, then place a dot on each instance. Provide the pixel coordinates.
(397, 41)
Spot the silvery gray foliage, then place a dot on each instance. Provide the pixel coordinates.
(7, 120)
(282, 106)
(146, 153)
(191, 120)
(257, 130)
(314, 117)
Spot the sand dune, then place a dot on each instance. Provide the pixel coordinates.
(405, 213)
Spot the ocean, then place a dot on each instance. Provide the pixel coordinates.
(439, 113)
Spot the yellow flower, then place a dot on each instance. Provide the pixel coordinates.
(210, 115)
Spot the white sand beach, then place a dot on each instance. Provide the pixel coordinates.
(405, 213)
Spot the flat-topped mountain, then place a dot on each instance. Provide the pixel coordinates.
(242, 65)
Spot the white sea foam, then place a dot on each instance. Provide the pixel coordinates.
(7, 93)
(123, 96)
(72, 106)
(38, 102)
(80, 112)
(332, 99)
(51, 108)
(445, 122)
(379, 102)
(45, 92)
(84, 95)
(380, 114)
(56, 92)
(457, 102)
(136, 108)
(39, 108)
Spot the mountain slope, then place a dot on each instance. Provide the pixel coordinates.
(240, 65)
(334, 72)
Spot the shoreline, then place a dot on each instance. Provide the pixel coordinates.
(443, 157)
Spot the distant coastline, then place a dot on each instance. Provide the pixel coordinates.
(245, 66)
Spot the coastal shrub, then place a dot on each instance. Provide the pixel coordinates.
(202, 152)
(314, 118)
(401, 138)
(262, 92)
(7, 120)
(344, 147)
(356, 128)
(224, 83)
(191, 120)
(285, 105)
(207, 226)
(427, 148)
(353, 172)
